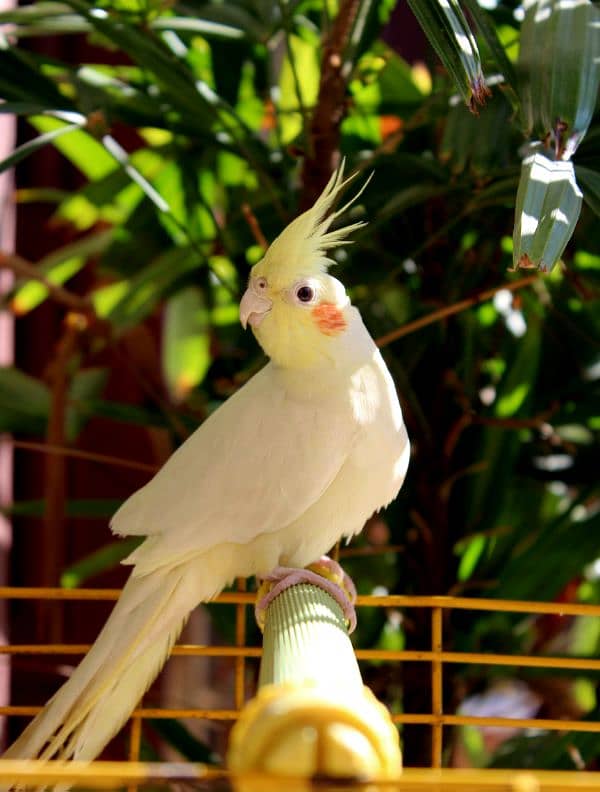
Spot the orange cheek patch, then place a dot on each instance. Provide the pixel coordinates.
(329, 318)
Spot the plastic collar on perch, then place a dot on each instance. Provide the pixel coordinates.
(312, 716)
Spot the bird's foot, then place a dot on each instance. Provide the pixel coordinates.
(325, 573)
(332, 571)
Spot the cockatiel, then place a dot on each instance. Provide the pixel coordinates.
(298, 458)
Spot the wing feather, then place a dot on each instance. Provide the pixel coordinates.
(254, 466)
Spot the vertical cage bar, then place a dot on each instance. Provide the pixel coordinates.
(135, 742)
(436, 687)
(135, 738)
(240, 640)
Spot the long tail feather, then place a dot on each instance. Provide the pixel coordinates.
(91, 707)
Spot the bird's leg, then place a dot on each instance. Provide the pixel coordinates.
(325, 573)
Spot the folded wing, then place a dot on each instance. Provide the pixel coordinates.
(254, 466)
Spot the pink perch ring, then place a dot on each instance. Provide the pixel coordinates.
(325, 573)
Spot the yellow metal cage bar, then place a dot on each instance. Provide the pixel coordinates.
(436, 656)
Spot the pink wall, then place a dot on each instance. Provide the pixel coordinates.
(7, 241)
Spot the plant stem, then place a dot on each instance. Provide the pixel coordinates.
(321, 159)
(450, 310)
(76, 453)
(25, 269)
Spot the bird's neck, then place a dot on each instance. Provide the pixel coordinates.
(327, 358)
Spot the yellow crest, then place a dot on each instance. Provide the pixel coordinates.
(299, 251)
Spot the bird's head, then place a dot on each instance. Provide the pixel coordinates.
(295, 308)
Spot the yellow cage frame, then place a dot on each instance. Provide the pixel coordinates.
(110, 774)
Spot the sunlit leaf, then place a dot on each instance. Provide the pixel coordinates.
(58, 267)
(127, 302)
(398, 82)
(299, 86)
(470, 557)
(185, 342)
(79, 147)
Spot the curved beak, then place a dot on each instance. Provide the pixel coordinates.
(253, 308)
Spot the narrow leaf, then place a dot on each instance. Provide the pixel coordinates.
(197, 26)
(487, 29)
(24, 150)
(122, 157)
(80, 148)
(590, 181)
(101, 560)
(445, 26)
(86, 508)
(119, 411)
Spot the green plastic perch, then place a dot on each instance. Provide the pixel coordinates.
(312, 716)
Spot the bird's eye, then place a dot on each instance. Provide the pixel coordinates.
(261, 284)
(305, 293)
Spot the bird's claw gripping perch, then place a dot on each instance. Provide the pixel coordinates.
(325, 573)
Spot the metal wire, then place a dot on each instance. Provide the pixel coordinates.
(436, 656)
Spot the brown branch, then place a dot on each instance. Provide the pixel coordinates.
(75, 453)
(25, 269)
(53, 539)
(455, 433)
(450, 310)
(446, 486)
(324, 139)
(254, 225)
(535, 422)
(471, 418)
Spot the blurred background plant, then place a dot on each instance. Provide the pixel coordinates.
(163, 144)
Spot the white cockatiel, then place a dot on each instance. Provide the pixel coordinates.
(298, 458)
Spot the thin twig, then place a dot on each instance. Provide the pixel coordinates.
(450, 310)
(535, 422)
(471, 418)
(25, 269)
(254, 225)
(76, 453)
(446, 486)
